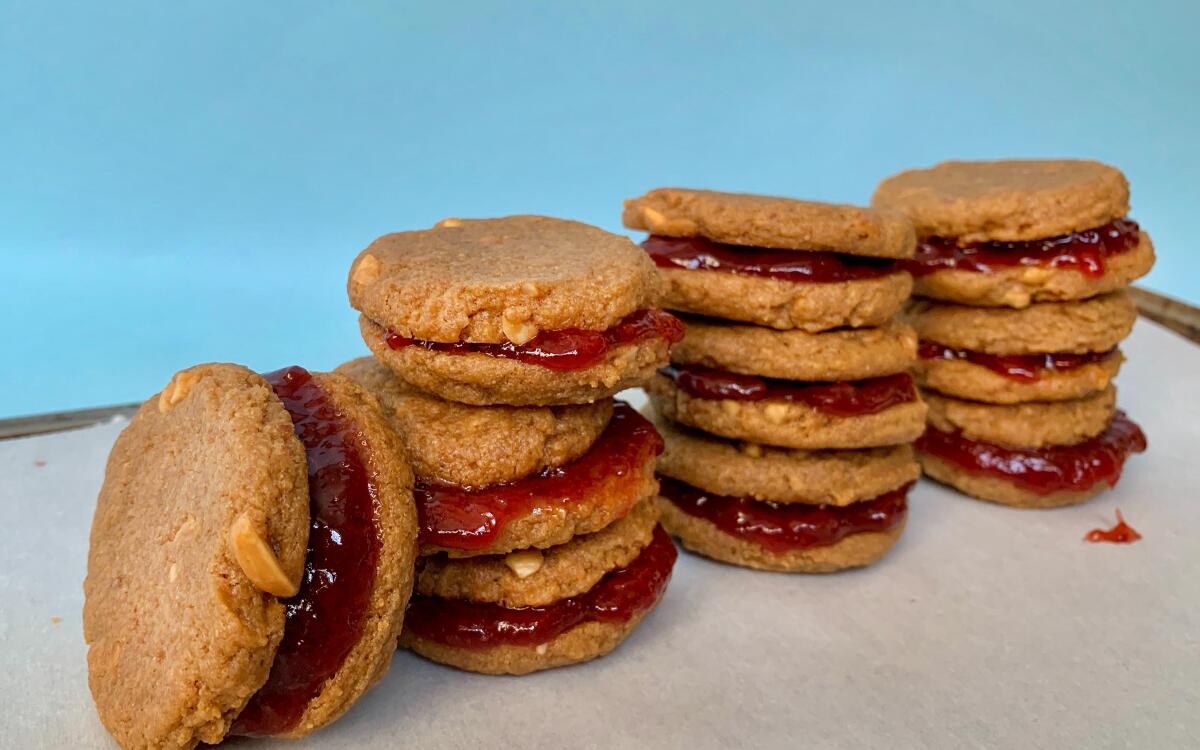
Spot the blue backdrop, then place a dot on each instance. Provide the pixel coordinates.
(188, 181)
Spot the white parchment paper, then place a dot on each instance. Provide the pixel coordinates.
(985, 627)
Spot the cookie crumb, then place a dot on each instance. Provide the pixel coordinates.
(56, 619)
(40, 463)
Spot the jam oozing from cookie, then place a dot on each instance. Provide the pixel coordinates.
(618, 597)
(1024, 367)
(797, 266)
(840, 399)
(1084, 251)
(326, 618)
(467, 518)
(1122, 533)
(566, 349)
(784, 527)
(1043, 471)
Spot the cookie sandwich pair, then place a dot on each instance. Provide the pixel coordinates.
(498, 346)
(251, 558)
(1019, 275)
(787, 409)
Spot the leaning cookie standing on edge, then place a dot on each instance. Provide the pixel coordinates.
(539, 534)
(1022, 265)
(787, 409)
(250, 559)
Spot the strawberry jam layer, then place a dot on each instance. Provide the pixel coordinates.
(840, 399)
(1084, 251)
(784, 527)
(1024, 367)
(1044, 471)
(618, 597)
(469, 518)
(326, 618)
(797, 266)
(566, 349)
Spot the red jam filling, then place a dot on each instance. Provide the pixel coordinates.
(1122, 533)
(783, 527)
(327, 617)
(841, 399)
(618, 597)
(1056, 468)
(797, 266)
(1025, 367)
(470, 518)
(1083, 251)
(566, 349)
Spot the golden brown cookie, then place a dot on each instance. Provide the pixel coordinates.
(1028, 425)
(478, 446)
(841, 354)
(1097, 324)
(1009, 200)
(785, 305)
(734, 468)
(963, 379)
(201, 528)
(767, 221)
(787, 424)
(535, 578)
(1021, 286)
(997, 490)
(702, 537)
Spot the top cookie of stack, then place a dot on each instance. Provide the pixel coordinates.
(787, 409)
(499, 344)
(1023, 265)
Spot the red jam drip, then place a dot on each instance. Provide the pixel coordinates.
(784, 527)
(797, 266)
(1122, 533)
(1056, 468)
(566, 349)
(326, 618)
(840, 399)
(618, 597)
(471, 518)
(1024, 367)
(1083, 251)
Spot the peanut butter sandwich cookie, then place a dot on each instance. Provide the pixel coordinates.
(1012, 233)
(522, 310)
(782, 510)
(251, 558)
(1051, 351)
(777, 262)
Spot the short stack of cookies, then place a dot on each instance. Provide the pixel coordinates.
(498, 346)
(1020, 270)
(787, 410)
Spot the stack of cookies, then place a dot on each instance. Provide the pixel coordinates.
(1020, 271)
(498, 347)
(787, 410)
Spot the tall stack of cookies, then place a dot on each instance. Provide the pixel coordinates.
(787, 410)
(1020, 270)
(498, 347)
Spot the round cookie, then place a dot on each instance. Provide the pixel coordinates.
(1097, 324)
(535, 578)
(584, 642)
(997, 490)
(1010, 200)
(478, 446)
(704, 538)
(966, 380)
(1028, 425)
(787, 424)
(784, 305)
(507, 282)
(841, 354)
(737, 469)
(178, 636)
(767, 221)
(1021, 286)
